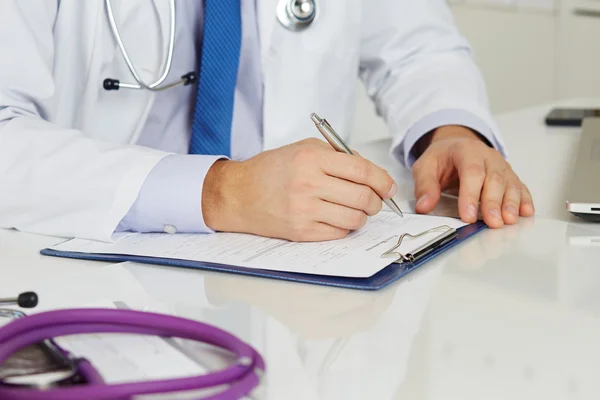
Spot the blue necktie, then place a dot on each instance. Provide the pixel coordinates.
(211, 128)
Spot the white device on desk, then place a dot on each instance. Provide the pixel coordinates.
(583, 198)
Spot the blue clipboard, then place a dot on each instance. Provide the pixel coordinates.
(378, 281)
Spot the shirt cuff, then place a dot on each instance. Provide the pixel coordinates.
(403, 151)
(170, 199)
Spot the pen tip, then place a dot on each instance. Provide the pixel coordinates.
(315, 118)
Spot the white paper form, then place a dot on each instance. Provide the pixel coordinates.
(357, 255)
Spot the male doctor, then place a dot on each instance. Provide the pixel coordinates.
(230, 153)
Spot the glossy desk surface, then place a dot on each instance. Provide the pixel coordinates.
(510, 314)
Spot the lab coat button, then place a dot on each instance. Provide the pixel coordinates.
(170, 229)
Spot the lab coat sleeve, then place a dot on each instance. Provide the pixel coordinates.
(55, 180)
(418, 69)
(432, 121)
(171, 195)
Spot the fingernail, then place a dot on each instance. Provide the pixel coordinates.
(472, 211)
(511, 210)
(495, 213)
(392, 191)
(422, 199)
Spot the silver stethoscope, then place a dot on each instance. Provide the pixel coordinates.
(295, 15)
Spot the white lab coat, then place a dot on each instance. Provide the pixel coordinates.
(68, 163)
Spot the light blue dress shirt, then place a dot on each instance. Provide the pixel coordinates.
(170, 198)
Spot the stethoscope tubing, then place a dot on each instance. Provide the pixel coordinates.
(284, 14)
(242, 377)
(166, 67)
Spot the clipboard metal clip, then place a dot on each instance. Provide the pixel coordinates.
(448, 235)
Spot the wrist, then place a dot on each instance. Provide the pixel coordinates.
(220, 203)
(454, 132)
(446, 132)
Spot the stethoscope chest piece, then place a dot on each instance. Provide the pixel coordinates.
(296, 15)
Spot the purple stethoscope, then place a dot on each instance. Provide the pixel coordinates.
(239, 379)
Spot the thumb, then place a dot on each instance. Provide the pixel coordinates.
(427, 186)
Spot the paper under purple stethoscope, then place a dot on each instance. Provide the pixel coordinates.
(234, 382)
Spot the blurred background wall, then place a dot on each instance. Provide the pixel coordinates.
(530, 52)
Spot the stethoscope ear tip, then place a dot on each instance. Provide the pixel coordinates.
(111, 84)
(189, 78)
(27, 300)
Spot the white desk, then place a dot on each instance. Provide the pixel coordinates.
(511, 314)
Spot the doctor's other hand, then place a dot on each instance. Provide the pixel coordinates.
(456, 156)
(305, 191)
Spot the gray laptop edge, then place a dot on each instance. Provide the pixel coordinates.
(583, 198)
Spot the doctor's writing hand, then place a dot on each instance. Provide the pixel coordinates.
(305, 191)
(454, 155)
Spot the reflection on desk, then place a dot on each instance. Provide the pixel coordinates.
(524, 321)
(316, 340)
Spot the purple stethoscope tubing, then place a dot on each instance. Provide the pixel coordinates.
(242, 377)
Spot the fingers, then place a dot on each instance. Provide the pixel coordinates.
(511, 202)
(349, 194)
(340, 216)
(490, 180)
(359, 170)
(503, 187)
(471, 172)
(527, 208)
(491, 197)
(427, 185)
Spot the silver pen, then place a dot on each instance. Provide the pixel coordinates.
(338, 144)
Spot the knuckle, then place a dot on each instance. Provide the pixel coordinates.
(359, 170)
(511, 200)
(363, 197)
(326, 160)
(474, 170)
(496, 177)
(491, 204)
(299, 210)
(357, 219)
(376, 208)
(303, 154)
(299, 183)
(514, 186)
